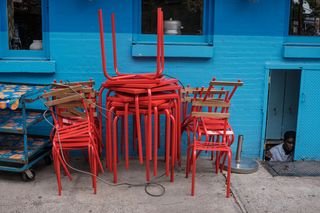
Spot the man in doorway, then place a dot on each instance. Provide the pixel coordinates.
(283, 151)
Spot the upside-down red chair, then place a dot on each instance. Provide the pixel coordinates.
(138, 94)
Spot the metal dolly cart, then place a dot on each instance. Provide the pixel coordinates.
(19, 151)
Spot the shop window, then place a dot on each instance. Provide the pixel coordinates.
(305, 18)
(181, 17)
(185, 21)
(24, 24)
(24, 30)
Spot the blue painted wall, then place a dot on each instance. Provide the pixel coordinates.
(247, 36)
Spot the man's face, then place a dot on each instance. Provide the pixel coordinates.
(289, 144)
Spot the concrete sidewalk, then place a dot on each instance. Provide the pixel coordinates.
(77, 195)
(261, 192)
(258, 192)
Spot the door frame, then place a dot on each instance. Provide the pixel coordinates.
(278, 66)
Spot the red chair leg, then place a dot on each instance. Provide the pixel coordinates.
(138, 127)
(159, 141)
(178, 135)
(173, 146)
(189, 148)
(94, 171)
(224, 155)
(188, 137)
(109, 141)
(100, 111)
(115, 149)
(167, 142)
(90, 160)
(56, 163)
(194, 159)
(122, 146)
(126, 135)
(217, 161)
(150, 124)
(97, 156)
(229, 173)
(66, 171)
(155, 151)
(134, 137)
(211, 138)
(147, 133)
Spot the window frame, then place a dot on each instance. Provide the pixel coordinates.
(299, 46)
(6, 53)
(206, 39)
(298, 39)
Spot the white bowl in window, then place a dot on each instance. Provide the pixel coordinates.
(36, 45)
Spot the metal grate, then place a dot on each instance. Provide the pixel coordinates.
(297, 168)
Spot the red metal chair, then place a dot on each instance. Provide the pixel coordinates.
(217, 90)
(139, 94)
(75, 129)
(131, 79)
(190, 94)
(218, 144)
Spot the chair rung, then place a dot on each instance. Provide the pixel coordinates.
(211, 115)
(226, 83)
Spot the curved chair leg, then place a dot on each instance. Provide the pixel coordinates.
(64, 166)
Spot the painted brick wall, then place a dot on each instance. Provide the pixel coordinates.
(77, 57)
(247, 36)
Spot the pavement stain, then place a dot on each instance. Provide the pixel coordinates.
(37, 203)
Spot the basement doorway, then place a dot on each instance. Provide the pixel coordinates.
(283, 102)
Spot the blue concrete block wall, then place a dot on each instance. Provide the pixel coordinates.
(247, 36)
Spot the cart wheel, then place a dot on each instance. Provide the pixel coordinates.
(48, 160)
(28, 175)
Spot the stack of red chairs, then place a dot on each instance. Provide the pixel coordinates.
(148, 95)
(188, 95)
(207, 118)
(75, 127)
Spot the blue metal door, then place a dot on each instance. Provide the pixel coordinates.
(308, 142)
(291, 101)
(275, 105)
